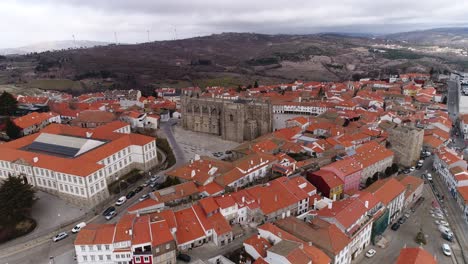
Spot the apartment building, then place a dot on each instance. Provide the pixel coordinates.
(76, 163)
(33, 122)
(140, 240)
(391, 193)
(445, 163)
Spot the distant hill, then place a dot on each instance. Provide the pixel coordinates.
(227, 59)
(51, 46)
(451, 37)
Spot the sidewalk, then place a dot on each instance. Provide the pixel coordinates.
(454, 216)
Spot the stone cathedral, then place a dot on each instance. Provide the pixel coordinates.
(234, 120)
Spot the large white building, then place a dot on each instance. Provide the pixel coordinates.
(75, 163)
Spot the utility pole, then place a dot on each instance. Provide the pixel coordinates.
(115, 37)
(148, 33)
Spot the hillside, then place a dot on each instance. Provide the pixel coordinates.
(228, 59)
(451, 37)
(51, 45)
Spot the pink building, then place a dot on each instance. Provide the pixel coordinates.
(349, 171)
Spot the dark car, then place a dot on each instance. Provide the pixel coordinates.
(184, 257)
(138, 189)
(154, 184)
(108, 210)
(447, 236)
(395, 226)
(130, 194)
(401, 220)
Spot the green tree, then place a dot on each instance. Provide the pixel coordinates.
(8, 104)
(16, 198)
(12, 130)
(256, 84)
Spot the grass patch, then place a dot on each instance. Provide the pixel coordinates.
(124, 181)
(164, 145)
(55, 84)
(220, 81)
(21, 228)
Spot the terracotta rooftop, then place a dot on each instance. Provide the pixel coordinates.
(415, 256)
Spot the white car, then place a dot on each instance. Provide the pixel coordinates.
(60, 236)
(446, 249)
(121, 200)
(78, 227)
(444, 223)
(445, 230)
(370, 253)
(429, 177)
(412, 169)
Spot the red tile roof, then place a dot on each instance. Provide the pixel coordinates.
(386, 190)
(415, 256)
(188, 227)
(260, 244)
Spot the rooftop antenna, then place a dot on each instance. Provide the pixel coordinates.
(148, 33)
(175, 32)
(74, 40)
(115, 37)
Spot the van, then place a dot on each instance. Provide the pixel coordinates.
(78, 227)
(121, 200)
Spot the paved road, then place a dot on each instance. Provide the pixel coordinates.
(453, 98)
(168, 130)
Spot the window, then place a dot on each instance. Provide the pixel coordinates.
(85, 258)
(157, 250)
(108, 257)
(146, 259)
(101, 257)
(128, 255)
(137, 259)
(98, 247)
(83, 248)
(168, 246)
(93, 258)
(107, 247)
(117, 256)
(90, 248)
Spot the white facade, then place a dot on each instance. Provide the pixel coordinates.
(395, 207)
(95, 254)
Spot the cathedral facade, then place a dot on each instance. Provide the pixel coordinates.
(234, 120)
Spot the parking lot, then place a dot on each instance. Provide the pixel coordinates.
(202, 144)
(405, 236)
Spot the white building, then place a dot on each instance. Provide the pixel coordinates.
(75, 163)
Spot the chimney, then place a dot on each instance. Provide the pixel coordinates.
(330, 205)
(366, 204)
(251, 162)
(89, 134)
(243, 199)
(130, 232)
(182, 192)
(258, 236)
(310, 243)
(192, 174)
(276, 198)
(35, 159)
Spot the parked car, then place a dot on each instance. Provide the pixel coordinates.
(121, 200)
(130, 194)
(60, 236)
(143, 197)
(111, 215)
(428, 176)
(370, 253)
(448, 237)
(108, 210)
(445, 230)
(78, 227)
(154, 184)
(395, 226)
(401, 220)
(446, 249)
(138, 189)
(412, 169)
(184, 257)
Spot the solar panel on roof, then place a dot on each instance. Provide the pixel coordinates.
(54, 149)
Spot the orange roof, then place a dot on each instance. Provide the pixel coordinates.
(415, 256)
(411, 183)
(386, 190)
(188, 228)
(141, 232)
(175, 192)
(94, 116)
(96, 234)
(211, 188)
(122, 227)
(32, 119)
(371, 153)
(225, 201)
(346, 212)
(260, 244)
(220, 224)
(208, 204)
(463, 191)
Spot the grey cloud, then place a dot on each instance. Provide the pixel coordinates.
(98, 19)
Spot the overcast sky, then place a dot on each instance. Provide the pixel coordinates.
(30, 21)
